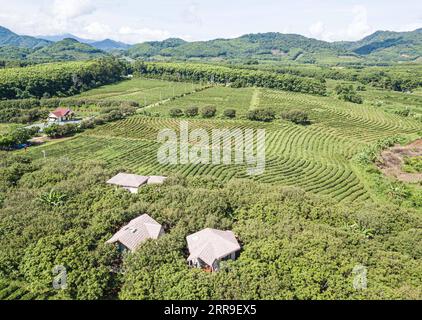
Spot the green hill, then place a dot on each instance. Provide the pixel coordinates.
(9, 38)
(382, 46)
(262, 46)
(109, 45)
(388, 45)
(154, 48)
(65, 50)
(14, 53)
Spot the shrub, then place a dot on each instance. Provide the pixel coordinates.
(264, 115)
(87, 124)
(14, 137)
(208, 112)
(348, 93)
(57, 131)
(406, 112)
(230, 113)
(175, 113)
(296, 116)
(192, 111)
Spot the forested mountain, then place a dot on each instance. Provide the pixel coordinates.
(154, 48)
(266, 45)
(67, 49)
(388, 45)
(380, 47)
(105, 45)
(60, 37)
(110, 45)
(9, 38)
(16, 47)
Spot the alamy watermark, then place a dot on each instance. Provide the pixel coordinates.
(60, 277)
(220, 146)
(360, 281)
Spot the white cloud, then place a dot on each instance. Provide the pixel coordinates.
(410, 27)
(359, 27)
(317, 30)
(191, 14)
(356, 30)
(97, 30)
(71, 9)
(136, 35)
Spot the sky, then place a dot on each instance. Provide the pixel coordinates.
(135, 21)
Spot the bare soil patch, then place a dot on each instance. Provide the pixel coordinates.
(392, 160)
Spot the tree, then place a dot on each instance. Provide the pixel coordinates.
(175, 113)
(208, 112)
(59, 131)
(52, 198)
(192, 112)
(14, 137)
(348, 93)
(230, 113)
(264, 115)
(296, 116)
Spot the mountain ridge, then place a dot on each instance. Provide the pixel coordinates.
(379, 47)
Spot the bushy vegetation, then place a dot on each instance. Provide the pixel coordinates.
(348, 93)
(191, 111)
(14, 137)
(59, 131)
(294, 245)
(176, 113)
(224, 75)
(371, 153)
(262, 114)
(395, 78)
(208, 112)
(413, 164)
(58, 79)
(230, 113)
(296, 116)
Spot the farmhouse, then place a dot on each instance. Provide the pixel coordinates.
(60, 115)
(132, 182)
(136, 232)
(209, 246)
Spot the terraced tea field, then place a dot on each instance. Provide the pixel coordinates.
(220, 97)
(143, 91)
(317, 158)
(14, 291)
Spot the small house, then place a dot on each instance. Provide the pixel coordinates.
(131, 236)
(209, 247)
(60, 115)
(156, 180)
(132, 182)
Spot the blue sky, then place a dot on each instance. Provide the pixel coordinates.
(136, 21)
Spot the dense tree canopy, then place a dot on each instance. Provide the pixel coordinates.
(225, 75)
(58, 79)
(294, 245)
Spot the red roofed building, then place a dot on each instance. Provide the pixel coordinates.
(60, 115)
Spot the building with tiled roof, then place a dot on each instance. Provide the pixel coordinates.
(131, 236)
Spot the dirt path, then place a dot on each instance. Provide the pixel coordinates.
(392, 161)
(159, 103)
(255, 99)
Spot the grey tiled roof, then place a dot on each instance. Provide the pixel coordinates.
(135, 181)
(210, 245)
(128, 180)
(137, 231)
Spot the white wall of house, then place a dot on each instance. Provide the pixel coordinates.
(131, 190)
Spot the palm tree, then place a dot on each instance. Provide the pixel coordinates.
(52, 198)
